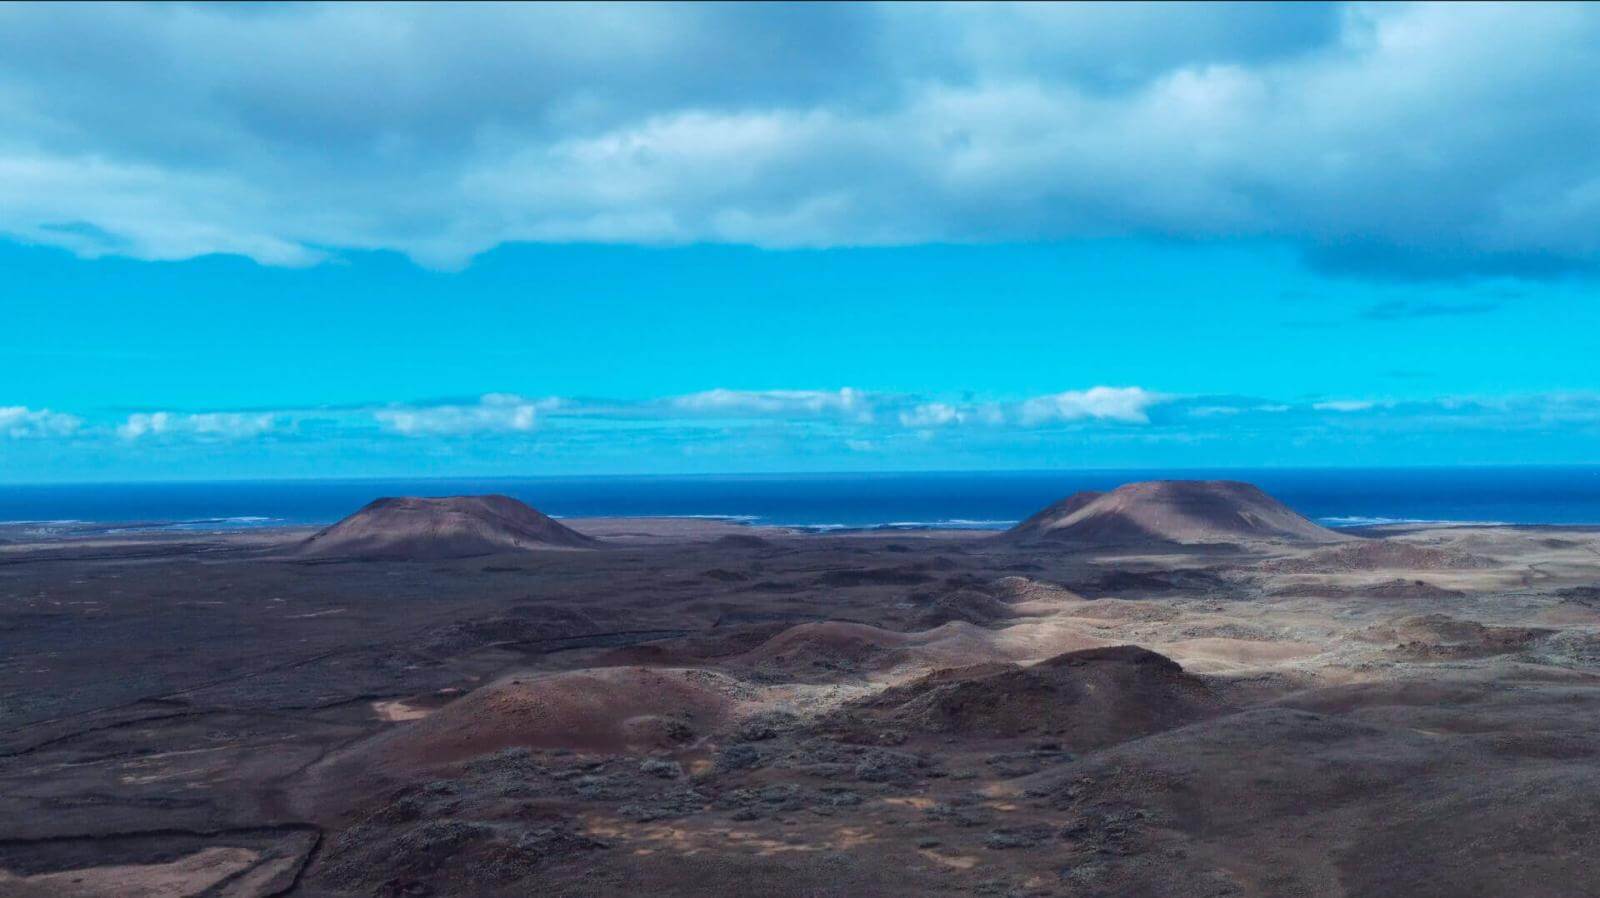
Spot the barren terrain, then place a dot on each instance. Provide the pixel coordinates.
(693, 708)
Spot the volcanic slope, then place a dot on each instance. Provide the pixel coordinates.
(1171, 511)
(418, 529)
(1091, 698)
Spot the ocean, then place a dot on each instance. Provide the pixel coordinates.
(974, 500)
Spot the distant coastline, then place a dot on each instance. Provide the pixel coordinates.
(980, 501)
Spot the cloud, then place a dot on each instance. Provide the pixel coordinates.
(1344, 405)
(507, 433)
(932, 414)
(21, 422)
(848, 402)
(204, 425)
(1127, 405)
(143, 423)
(1382, 139)
(493, 413)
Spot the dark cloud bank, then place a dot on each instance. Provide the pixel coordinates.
(1393, 140)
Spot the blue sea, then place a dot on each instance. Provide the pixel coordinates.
(983, 500)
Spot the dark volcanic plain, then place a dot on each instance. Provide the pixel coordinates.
(693, 708)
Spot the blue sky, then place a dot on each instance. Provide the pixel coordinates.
(346, 241)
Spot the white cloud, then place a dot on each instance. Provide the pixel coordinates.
(493, 413)
(846, 402)
(142, 423)
(1344, 405)
(229, 425)
(932, 414)
(1376, 137)
(204, 425)
(751, 425)
(21, 422)
(1212, 411)
(1128, 405)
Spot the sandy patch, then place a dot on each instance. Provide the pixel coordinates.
(398, 710)
(188, 875)
(1219, 655)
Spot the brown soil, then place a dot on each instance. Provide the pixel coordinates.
(1380, 554)
(1398, 588)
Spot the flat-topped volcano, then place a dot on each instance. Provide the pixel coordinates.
(1172, 511)
(417, 529)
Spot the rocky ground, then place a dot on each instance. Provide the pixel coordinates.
(700, 708)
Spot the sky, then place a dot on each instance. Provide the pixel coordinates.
(310, 240)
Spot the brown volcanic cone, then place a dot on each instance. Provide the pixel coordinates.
(616, 710)
(1091, 699)
(413, 529)
(1172, 511)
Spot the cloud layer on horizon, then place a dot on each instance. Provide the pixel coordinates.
(1395, 140)
(811, 430)
(833, 416)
